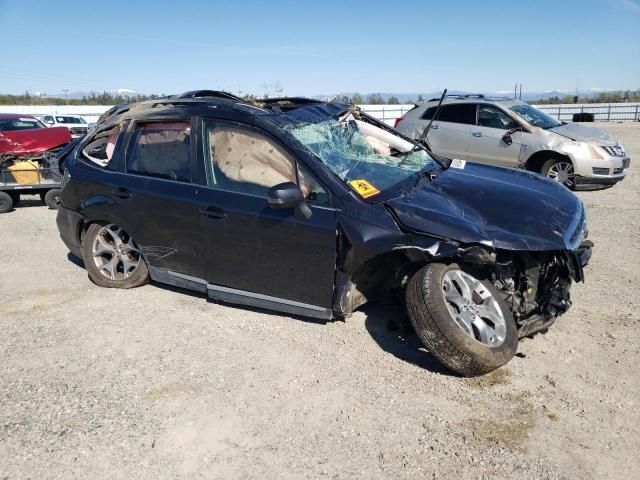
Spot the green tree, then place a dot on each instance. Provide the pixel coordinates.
(357, 99)
(375, 99)
(393, 101)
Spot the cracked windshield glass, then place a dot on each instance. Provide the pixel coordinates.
(365, 156)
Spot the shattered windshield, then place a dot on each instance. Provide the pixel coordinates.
(368, 158)
(535, 117)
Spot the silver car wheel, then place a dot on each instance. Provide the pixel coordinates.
(473, 308)
(562, 172)
(115, 254)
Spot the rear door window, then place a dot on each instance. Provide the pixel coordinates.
(100, 148)
(161, 150)
(463, 113)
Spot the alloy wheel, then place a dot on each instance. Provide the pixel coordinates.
(474, 308)
(562, 172)
(114, 252)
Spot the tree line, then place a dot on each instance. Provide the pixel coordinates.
(94, 98)
(106, 98)
(612, 96)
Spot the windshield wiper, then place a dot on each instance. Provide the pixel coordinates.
(420, 142)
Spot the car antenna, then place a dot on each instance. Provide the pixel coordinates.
(423, 135)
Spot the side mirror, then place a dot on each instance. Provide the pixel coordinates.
(285, 195)
(289, 195)
(506, 138)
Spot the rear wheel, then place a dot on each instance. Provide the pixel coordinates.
(6, 202)
(461, 319)
(560, 170)
(112, 257)
(52, 198)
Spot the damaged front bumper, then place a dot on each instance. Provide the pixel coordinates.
(584, 252)
(544, 293)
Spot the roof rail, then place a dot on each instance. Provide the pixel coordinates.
(209, 94)
(459, 96)
(289, 100)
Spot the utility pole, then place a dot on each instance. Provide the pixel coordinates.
(520, 91)
(66, 95)
(515, 91)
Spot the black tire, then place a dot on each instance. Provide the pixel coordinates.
(435, 326)
(138, 278)
(15, 196)
(52, 198)
(546, 166)
(6, 202)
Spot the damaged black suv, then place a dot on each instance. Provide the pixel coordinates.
(314, 209)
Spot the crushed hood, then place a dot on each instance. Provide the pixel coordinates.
(582, 133)
(500, 207)
(33, 141)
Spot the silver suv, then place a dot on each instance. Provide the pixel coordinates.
(511, 133)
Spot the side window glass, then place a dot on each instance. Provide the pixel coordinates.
(246, 161)
(464, 113)
(492, 117)
(100, 148)
(161, 150)
(428, 114)
(313, 192)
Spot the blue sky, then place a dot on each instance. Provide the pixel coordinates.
(319, 47)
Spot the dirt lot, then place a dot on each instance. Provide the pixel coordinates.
(157, 383)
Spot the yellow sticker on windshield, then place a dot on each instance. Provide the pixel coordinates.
(364, 188)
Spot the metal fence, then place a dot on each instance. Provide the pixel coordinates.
(386, 113)
(602, 112)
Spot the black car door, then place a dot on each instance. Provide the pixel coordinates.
(158, 194)
(252, 250)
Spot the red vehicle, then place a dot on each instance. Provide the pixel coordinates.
(27, 159)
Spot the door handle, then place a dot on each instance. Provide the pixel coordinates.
(212, 212)
(122, 192)
(477, 134)
(434, 127)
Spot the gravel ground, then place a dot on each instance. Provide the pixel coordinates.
(158, 383)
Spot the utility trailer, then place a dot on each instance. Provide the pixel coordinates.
(35, 176)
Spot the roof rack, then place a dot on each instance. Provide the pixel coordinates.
(284, 104)
(209, 94)
(287, 100)
(459, 96)
(465, 96)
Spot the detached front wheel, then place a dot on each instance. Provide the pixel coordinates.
(461, 319)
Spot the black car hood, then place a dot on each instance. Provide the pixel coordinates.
(500, 207)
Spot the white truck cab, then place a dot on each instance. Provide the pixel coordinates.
(77, 125)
